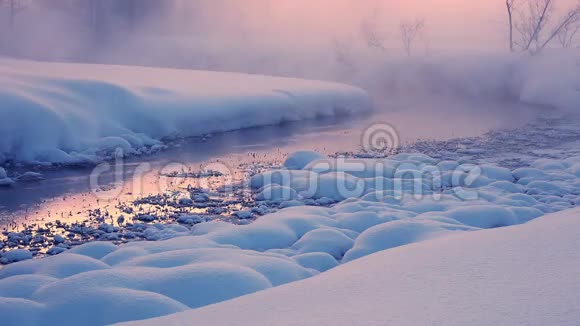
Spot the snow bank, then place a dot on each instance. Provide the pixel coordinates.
(484, 278)
(71, 113)
(217, 261)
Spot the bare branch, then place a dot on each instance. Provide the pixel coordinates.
(343, 53)
(372, 36)
(531, 21)
(14, 8)
(510, 10)
(409, 32)
(533, 26)
(541, 10)
(567, 34)
(571, 18)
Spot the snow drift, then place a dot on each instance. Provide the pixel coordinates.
(522, 275)
(99, 283)
(73, 113)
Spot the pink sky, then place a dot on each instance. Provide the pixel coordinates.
(450, 24)
(449, 21)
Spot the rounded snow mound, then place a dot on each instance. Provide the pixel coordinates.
(299, 160)
(392, 235)
(4, 180)
(276, 193)
(344, 216)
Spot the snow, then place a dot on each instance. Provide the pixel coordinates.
(366, 210)
(24, 286)
(15, 255)
(4, 180)
(276, 193)
(330, 241)
(76, 113)
(244, 215)
(30, 177)
(318, 261)
(407, 240)
(298, 160)
(523, 275)
(96, 250)
(90, 111)
(395, 234)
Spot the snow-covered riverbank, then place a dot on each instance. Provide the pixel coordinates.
(77, 113)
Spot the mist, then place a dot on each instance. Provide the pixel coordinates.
(304, 38)
(243, 35)
(462, 47)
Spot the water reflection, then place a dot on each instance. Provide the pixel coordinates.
(65, 194)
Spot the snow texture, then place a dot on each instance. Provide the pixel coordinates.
(522, 275)
(298, 160)
(15, 256)
(217, 261)
(388, 256)
(78, 113)
(4, 180)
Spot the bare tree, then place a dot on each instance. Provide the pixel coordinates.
(571, 18)
(409, 32)
(372, 35)
(532, 22)
(510, 10)
(536, 25)
(93, 9)
(14, 8)
(568, 33)
(344, 56)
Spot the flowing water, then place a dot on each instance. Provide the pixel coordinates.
(69, 190)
